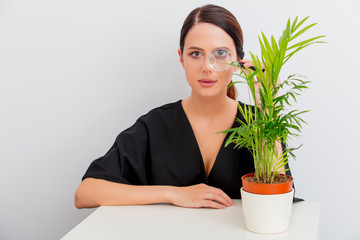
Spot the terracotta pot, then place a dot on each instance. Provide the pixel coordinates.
(265, 188)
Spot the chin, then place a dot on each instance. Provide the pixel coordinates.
(209, 93)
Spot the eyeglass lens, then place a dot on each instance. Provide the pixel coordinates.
(219, 59)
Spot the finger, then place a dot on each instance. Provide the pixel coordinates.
(223, 195)
(221, 192)
(229, 202)
(246, 63)
(212, 204)
(218, 198)
(227, 198)
(249, 64)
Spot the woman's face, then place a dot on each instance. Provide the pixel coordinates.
(199, 42)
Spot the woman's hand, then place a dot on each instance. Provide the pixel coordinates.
(249, 64)
(200, 195)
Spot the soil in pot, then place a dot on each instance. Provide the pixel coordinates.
(279, 178)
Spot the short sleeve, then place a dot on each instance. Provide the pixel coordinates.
(126, 161)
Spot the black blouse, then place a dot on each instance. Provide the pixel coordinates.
(161, 149)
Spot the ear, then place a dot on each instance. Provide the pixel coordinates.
(181, 58)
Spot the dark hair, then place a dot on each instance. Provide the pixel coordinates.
(222, 18)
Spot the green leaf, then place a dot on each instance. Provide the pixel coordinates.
(269, 51)
(274, 45)
(296, 50)
(300, 23)
(293, 24)
(265, 56)
(281, 164)
(305, 41)
(234, 83)
(302, 31)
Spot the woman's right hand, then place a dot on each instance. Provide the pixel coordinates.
(200, 195)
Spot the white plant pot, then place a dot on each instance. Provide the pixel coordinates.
(267, 213)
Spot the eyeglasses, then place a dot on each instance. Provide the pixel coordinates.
(219, 60)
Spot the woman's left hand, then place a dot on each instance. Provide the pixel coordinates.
(248, 64)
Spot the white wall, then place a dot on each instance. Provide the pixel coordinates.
(75, 73)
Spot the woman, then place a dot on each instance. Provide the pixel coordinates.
(173, 153)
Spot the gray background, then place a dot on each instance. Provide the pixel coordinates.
(76, 73)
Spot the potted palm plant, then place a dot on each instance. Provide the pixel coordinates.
(267, 193)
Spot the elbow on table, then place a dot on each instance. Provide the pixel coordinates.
(83, 196)
(79, 203)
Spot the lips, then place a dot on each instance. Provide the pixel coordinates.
(206, 82)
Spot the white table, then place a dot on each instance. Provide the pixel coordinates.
(165, 221)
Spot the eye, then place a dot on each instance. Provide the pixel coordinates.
(195, 54)
(221, 53)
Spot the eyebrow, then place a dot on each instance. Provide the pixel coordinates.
(197, 48)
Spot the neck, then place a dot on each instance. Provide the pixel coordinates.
(208, 106)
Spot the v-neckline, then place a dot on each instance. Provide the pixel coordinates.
(192, 133)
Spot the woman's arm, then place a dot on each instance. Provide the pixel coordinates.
(97, 192)
(279, 152)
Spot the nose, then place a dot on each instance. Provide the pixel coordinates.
(206, 66)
